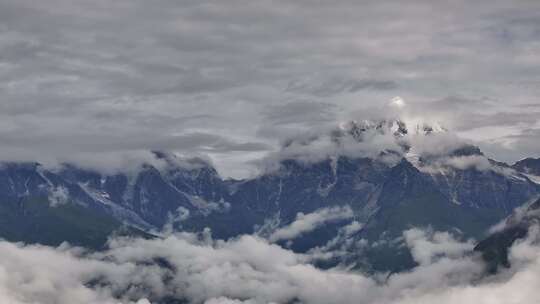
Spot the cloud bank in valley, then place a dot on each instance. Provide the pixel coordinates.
(248, 269)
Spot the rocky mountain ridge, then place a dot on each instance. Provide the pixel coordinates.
(460, 190)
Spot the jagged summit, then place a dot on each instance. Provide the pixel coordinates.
(396, 127)
(528, 165)
(387, 140)
(365, 130)
(358, 129)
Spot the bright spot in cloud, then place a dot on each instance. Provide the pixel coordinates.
(397, 102)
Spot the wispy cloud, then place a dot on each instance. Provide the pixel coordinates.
(305, 223)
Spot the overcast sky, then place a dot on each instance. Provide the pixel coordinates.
(95, 79)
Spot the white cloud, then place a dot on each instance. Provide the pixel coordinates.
(224, 300)
(448, 163)
(480, 163)
(251, 270)
(308, 222)
(353, 227)
(426, 246)
(438, 144)
(177, 217)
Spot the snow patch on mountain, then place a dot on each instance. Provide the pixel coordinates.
(119, 212)
(58, 196)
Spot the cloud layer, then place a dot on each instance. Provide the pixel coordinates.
(93, 80)
(251, 270)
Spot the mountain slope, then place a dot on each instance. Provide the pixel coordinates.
(32, 220)
(528, 165)
(377, 195)
(495, 248)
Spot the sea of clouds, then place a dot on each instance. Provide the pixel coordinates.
(249, 269)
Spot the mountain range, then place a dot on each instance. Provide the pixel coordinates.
(348, 205)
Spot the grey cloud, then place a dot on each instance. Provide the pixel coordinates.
(186, 142)
(457, 103)
(334, 86)
(121, 152)
(68, 65)
(300, 112)
(477, 120)
(512, 147)
(529, 105)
